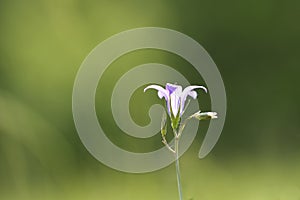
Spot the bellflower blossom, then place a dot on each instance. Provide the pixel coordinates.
(175, 97)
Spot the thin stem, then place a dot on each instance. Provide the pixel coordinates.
(175, 133)
(164, 141)
(182, 126)
(177, 167)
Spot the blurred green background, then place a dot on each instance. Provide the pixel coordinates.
(255, 45)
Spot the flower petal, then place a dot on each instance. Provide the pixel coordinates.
(193, 94)
(172, 88)
(161, 91)
(175, 103)
(188, 91)
(192, 87)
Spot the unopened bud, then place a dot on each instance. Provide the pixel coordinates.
(163, 128)
(205, 115)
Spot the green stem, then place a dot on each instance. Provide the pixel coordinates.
(177, 167)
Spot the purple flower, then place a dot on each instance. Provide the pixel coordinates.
(175, 97)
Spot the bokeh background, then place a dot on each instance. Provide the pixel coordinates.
(255, 45)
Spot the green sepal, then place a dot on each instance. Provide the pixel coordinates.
(175, 122)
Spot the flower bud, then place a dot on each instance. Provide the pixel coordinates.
(205, 115)
(163, 128)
